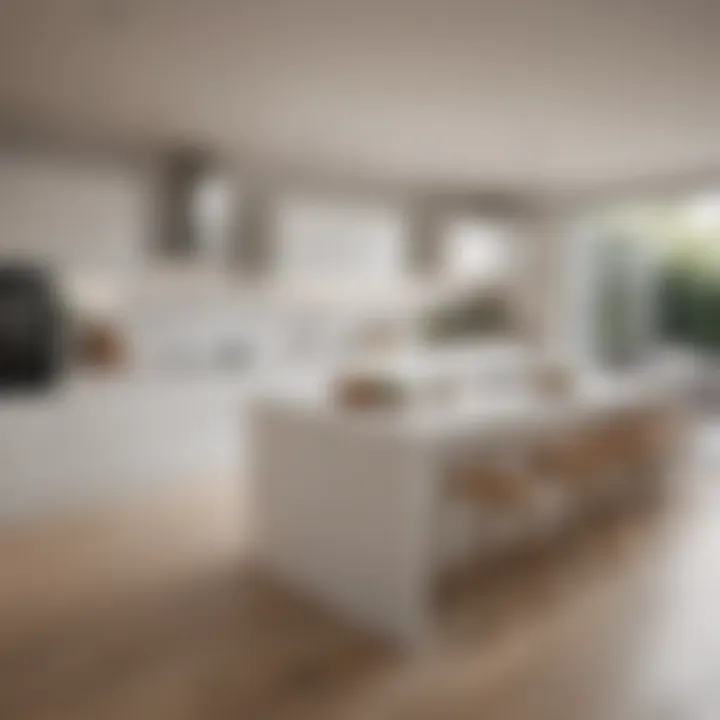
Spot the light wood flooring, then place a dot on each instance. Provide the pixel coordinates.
(155, 613)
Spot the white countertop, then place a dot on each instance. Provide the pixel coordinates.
(95, 438)
(482, 404)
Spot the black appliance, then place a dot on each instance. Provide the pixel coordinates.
(31, 328)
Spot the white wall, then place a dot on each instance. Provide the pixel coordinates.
(76, 214)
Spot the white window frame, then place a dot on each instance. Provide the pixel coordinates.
(464, 259)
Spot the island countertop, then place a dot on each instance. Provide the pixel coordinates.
(349, 503)
(473, 405)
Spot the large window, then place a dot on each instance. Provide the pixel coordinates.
(681, 238)
(478, 249)
(479, 259)
(336, 241)
(212, 213)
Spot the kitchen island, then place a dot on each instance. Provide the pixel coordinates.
(350, 504)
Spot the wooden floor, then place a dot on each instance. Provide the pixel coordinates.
(164, 619)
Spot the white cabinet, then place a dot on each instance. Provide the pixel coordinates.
(100, 440)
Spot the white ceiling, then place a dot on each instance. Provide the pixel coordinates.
(508, 92)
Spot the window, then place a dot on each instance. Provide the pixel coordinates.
(212, 213)
(478, 249)
(335, 241)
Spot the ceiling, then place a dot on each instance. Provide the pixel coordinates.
(490, 92)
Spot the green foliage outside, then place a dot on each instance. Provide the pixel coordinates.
(687, 237)
(477, 315)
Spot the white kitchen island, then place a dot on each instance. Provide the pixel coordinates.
(349, 503)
